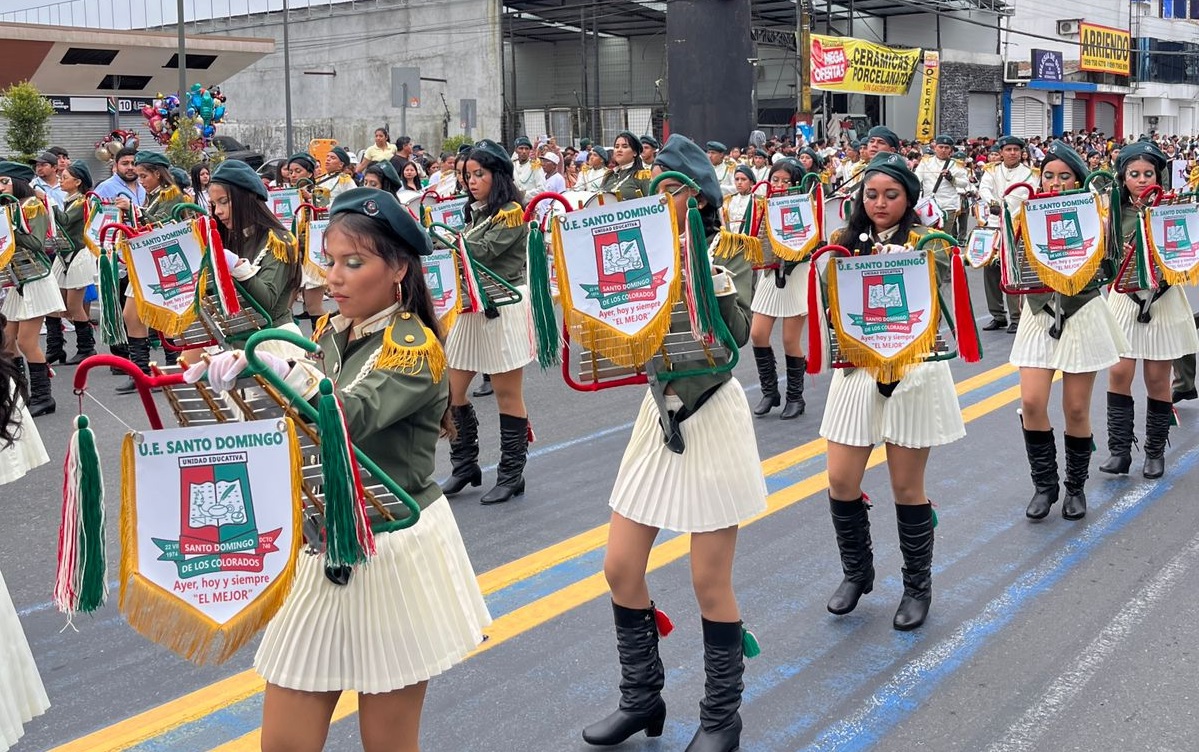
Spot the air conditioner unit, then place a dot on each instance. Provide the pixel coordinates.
(1068, 27)
(1012, 72)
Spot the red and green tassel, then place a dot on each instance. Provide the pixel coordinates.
(112, 323)
(549, 343)
(348, 537)
(81, 580)
(222, 277)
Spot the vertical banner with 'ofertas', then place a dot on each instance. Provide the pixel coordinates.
(926, 113)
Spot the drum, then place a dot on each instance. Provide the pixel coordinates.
(588, 199)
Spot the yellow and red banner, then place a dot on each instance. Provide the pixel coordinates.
(846, 64)
(1104, 49)
(926, 113)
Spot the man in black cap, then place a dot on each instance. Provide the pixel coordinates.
(724, 167)
(527, 172)
(649, 150)
(996, 179)
(945, 179)
(46, 171)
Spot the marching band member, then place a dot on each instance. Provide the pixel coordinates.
(27, 304)
(715, 421)
(445, 182)
(810, 161)
(909, 416)
(781, 292)
(880, 138)
(22, 695)
(415, 610)
(74, 270)
(760, 166)
(723, 166)
(997, 178)
(1089, 341)
(338, 177)
(593, 172)
(500, 345)
(1159, 327)
(527, 172)
(945, 179)
(850, 168)
(649, 151)
(301, 171)
(628, 179)
(382, 176)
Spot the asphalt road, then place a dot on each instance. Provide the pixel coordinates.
(1043, 636)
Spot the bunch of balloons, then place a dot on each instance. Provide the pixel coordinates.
(107, 147)
(201, 106)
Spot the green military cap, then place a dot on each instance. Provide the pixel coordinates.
(238, 174)
(492, 156)
(943, 140)
(384, 208)
(653, 142)
(817, 160)
(1010, 141)
(304, 159)
(885, 133)
(959, 154)
(896, 166)
(522, 141)
(1059, 152)
(746, 171)
(341, 154)
(681, 154)
(464, 149)
(386, 170)
(601, 152)
(79, 169)
(152, 158)
(1146, 150)
(585, 142)
(180, 177)
(16, 170)
(716, 146)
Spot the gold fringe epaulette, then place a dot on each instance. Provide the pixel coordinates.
(170, 193)
(283, 246)
(32, 208)
(514, 217)
(733, 244)
(322, 325)
(644, 175)
(409, 357)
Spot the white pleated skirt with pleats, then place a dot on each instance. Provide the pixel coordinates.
(505, 343)
(38, 298)
(922, 412)
(1091, 340)
(22, 695)
(83, 271)
(1170, 332)
(714, 484)
(26, 453)
(408, 615)
(780, 302)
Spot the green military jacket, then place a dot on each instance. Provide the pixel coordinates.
(499, 242)
(392, 385)
(70, 221)
(627, 183)
(275, 257)
(161, 203)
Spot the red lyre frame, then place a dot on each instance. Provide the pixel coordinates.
(143, 382)
(1004, 282)
(633, 380)
(1151, 196)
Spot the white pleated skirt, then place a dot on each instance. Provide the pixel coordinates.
(1169, 334)
(22, 695)
(1091, 340)
(789, 300)
(714, 484)
(285, 350)
(410, 614)
(38, 298)
(922, 411)
(83, 271)
(26, 453)
(477, 343)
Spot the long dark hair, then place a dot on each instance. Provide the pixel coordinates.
(21, 189)
(164, 175)
(635, 145)
(251, 223)
(403, 163)
(197, 185)
(793, 168)
(503, 187)
(1126, 196)
(10, 375)
(859, 223)
(384, 182)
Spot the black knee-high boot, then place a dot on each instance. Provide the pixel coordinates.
(85, 342)
(41, 398)
(641, 680)
(514, 452)
(1157, 434)
(1120, 415)
(768, 377)
(795, 372)
(464, 451)
(139, 354)
(724, 665)
(1078, 468)
(1041, 449)
(915, 525)
(55, 341)
(851, 523)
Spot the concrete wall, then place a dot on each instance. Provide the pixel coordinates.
(1040, 17)
(457, 42)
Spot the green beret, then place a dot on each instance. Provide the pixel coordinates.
(79, 169)
(895, 166)
(716, 146)
(16, 170)
(341, 154)
(386, 170)
(1146, 150)
(959, 154)
(885, 133)
(152, 159)
(464, 149)
(943, 140)
(304, 159)
(180, 177)
(1010, 141)
(1059, 152)
(747, 172)
(238, 174)
(584, 142)
(522, 141)
(601, 152)
(653, 142)
(817, 160)
(492, 156)
(384, 208)
(681, 154)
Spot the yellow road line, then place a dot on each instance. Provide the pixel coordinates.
(526, 618)
(221, 694)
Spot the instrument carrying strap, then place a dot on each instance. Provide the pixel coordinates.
(1143, 304)
(941, 177)
(671, 420)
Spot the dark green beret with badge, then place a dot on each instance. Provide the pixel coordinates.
(653, 142)
(1010, 141)
(896, 166)
(1145, 150)
(238, 174)
(387, 171)
(17, 171)
(341, 154)
(716, 146)
(1059, 152)
(943, 140)
(885, 133)
(80, 170)
(384, 208)
(522, 141)
(151, 159)
(181, 178)
(492, 156)
(303, 159)
(681, 154)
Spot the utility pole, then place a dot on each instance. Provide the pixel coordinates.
(182, 58)
(803, 41)
(287, 126)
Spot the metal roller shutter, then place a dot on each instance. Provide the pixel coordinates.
(981, 114)
(1028, 118)
(1105, 118)
(1079, 108)
(78, 134)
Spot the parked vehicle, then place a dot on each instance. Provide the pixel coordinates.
(235, 149)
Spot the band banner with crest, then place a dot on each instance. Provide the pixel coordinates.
(210, 555)
(1173, 239)
(884, 310)
(98, 215)
(166, 271)
(618, 276)
(793, 222)
(442, 277)
(284, 203)
(981, 246)
(8, 236)
(451, 213)
(315, 261)
(1064, 238)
